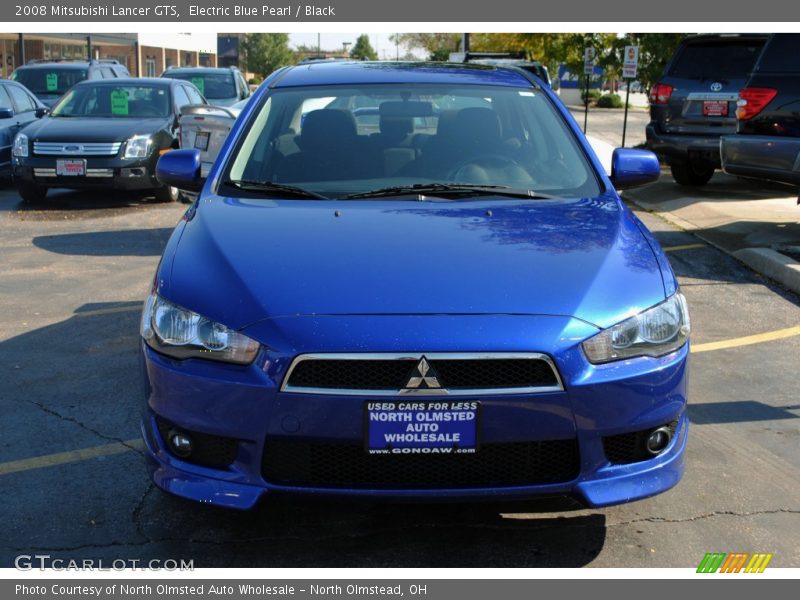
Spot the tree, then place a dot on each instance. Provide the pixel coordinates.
(437, 45)
(266, 52)
(363, 50)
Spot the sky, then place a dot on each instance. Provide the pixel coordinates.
(333, 41)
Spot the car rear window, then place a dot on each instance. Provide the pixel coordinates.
(46, 80)
(780, 55)
(214, 86)
(717, 59)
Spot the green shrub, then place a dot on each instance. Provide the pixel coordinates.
(594, 96)
(610, 101)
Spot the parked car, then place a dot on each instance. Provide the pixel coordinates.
(50, 79)
(206, 128)
(467, 310)
(18, 108)
(220, 86)
(694, 102)
(767, 140)
(504, 59)
(103, 134)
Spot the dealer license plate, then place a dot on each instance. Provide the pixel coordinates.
(71, 167)
(714, 108)
(201, 140)
(416, 427)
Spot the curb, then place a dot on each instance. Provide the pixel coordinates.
(772, 264)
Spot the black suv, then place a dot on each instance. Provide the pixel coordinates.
(767, 140)
(694, 102)
(50, 79)
(220, 86)
(103, 135)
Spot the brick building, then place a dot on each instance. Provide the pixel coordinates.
(144, 54)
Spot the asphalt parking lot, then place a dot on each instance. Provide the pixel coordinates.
(74, 274)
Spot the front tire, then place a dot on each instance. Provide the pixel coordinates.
(691, 174)
(31, 193)
(166, 193)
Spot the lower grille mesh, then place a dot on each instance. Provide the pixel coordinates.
(345, 465)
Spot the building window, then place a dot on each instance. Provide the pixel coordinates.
(150, 66)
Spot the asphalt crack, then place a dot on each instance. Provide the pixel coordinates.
(85, 427)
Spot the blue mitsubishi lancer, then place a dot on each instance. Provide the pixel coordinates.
(412, 281)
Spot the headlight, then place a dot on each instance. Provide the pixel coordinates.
(20, 149)
(181, 333)
(657, 331)
(138, 146)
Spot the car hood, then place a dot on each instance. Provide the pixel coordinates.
(86, 129)
(240, 261)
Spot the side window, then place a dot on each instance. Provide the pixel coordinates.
(245, 87)
(194, 95)
(5, 99)
(21, 99)
(108, 73)
(181, 98)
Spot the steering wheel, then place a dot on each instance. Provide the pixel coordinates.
(146, 110)
(488, 169)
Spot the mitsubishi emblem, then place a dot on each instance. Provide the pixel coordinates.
(423, 377)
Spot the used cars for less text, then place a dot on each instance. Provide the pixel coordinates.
(435, 294)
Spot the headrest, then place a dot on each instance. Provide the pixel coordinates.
(327, 128)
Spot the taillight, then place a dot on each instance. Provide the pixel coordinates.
(660, 93)
(752, 101)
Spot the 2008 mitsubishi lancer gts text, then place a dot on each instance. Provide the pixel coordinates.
(412, 281)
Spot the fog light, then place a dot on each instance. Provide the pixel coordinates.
(658, 440)
(180, 443)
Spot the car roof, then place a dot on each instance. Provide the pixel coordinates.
(196, 69)
(357, 72)
(72, 64)
(700, 37)
(154, 81)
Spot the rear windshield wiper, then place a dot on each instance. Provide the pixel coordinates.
(463, 190)
(275, 188)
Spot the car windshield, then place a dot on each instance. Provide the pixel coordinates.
(42, 81)
(214, 86)
(730, 59)
(341, 141)
(118, 101)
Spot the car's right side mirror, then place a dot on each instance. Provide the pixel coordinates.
(42, 112)
(6, 113)
(631, 168)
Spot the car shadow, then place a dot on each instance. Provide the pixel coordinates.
(123, 242)
(739, 411)
(76, 384)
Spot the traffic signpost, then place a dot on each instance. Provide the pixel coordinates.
(588, 70)
(630, 65)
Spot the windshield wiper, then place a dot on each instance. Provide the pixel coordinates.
(275, 188)
(463, 190)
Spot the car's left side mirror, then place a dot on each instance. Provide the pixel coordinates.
(42, 112)
(180, 169)
(631, 168)
(6, 113)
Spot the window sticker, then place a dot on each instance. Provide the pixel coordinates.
(200, 84)
(119, 102)
(52, 82)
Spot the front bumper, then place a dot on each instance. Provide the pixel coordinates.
(764, 157)
(683, 147)
(101, 172)
(245, 404)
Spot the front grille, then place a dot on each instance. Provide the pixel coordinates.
(630, 447)
(391, 374)
(76, 148)
(208, 450)
(347, 465)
